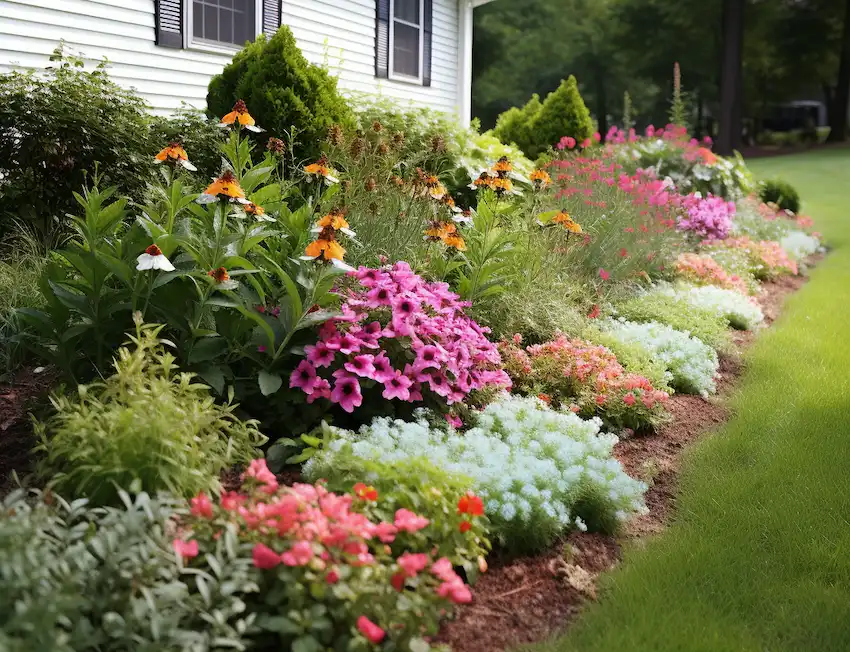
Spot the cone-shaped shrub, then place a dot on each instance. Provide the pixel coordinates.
(563, 114)
(514, 125)
(282, 90)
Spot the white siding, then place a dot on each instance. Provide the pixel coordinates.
(338, 33)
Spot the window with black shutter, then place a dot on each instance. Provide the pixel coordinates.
(403, 40)
(220, 23)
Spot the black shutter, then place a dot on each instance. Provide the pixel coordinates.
(382, 38)
(169, 23)
(271, 16)
(426, 46)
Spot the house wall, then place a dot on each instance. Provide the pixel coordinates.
(337, 33)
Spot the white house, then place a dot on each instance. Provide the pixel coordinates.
(409, 50)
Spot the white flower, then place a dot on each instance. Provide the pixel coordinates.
(153, 258)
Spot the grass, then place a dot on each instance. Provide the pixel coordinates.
(758, 556)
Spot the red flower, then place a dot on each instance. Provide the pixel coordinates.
(465, 526)
(366, 492)
(623, 253)
(370, 630)
(332, 577)
(264, 557)
(201, 506)
(186, 549)
(397, 581)
(603, 274)
(470, 504)
(594, 312)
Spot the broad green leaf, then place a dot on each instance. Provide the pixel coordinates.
(269, 383)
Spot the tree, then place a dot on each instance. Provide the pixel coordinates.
(837, 109)
(731, 87)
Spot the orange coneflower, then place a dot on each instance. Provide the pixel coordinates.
(449, 201)
(226, 186)
(176, 155)
(222, 278)
(455, 241)
(335, 220)
(502, 185)
(567, 222)
(325, 246)
(485, 179)
(440, 231)
(257, 211)
(320, 169)
(240, 114)
(540, 178)
(503, 166)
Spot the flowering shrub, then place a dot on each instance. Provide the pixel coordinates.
(144, 426)
(326, 574)
(702, 269)
(738, 310)
(709, 217)
(799, 244)
(676, 312)
(585, 378)
(767, 258)
(78, 579)
(692, 363)
(399, 339)
(735, 262)
(538, 471)
(759, 221)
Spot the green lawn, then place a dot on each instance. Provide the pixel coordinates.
(758, 558)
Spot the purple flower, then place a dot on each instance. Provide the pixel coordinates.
(304, 377)
(320, 355)
(322, 389)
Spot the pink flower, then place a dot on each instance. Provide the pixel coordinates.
(201, 506)
(385, 532)
(259, 470)
(370, 630)
(264, 557)
(303, 377)
(383, 369)
(597, 136)
(361, 365)
(456, 591)
(428, 357)
(322, 389)
(443, 569)
(397, 387)
(603, 274)
(378, 296)
(299, 555)
(231, 500)
(346, 392)
(412, 563)
(332, 577)
(629, 399)
(407, 521)
(186, 549)
(320, 355)
(454, 420)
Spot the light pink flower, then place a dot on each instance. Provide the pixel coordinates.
(407, 521)
(346, 393)
(397, 387)
(412, 563)
(186, 549)
(299, 555)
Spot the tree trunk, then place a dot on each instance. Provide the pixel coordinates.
(730, 118)
(837, 109)
(601, 104)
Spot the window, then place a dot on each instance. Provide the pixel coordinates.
(227, 23)
(406, 27)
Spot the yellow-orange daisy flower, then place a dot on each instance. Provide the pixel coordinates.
(540, 178)
(563, 218)
(225, 186)
(320, 170)
(503, 166)
(176, 155)
(240, 114)
(325, 246)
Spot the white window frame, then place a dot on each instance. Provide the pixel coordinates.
(392, 74)
(216, 47)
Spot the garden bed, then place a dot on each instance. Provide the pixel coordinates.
(529, 599)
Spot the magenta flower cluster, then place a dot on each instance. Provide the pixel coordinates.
(404, 335)
(709, 217)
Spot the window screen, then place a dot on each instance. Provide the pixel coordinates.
(224, 21)
(407, 33)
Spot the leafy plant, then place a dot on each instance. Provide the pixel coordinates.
(198, 134)
(54, 127)
(539, 472)
(78, 579)
(739, 311)
(20, 270)
(146, 427)
(286, 93)
(515, 126)
(781, 193)
(563, 113)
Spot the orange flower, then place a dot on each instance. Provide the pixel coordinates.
(252, 209)
(540, 178)
(470, 504)
(240, 114)
(708, 157)
(325, 247)
(226, 186)
(545, 398)
(219, 275)
(503, 166)
(366, 492)
(320, 169)
(455, 241)
(335, 219)
(484, 179)
(568, 223)
(440, 230)
(176, 155)
(502, 185)
(465, 526)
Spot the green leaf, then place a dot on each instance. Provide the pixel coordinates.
(269, 383)
(207, 348)
(212, 376)
(306, 644)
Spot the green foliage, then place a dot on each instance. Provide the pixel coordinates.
(146, 427)
(54, 127)
(634, 358)
(678, 313)
(563, 114)
(516, 125)
(284, 92)
(20, 269)
(77, 579)
(735, 262)
(781, 193)
(200, 136)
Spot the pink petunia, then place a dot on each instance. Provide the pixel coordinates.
(407, 521)
(322, 389)
(264, 557)
(186, 549)
(397, 387)
(370, 630)
(454, 420)
(346, 393)
(303, 377)
(319, 354)
(361, 365)
(383, 368)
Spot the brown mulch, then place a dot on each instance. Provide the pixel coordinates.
(528, 599)
(16, 434)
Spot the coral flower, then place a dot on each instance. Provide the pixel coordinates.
(153, 258)
(264, 557)
(335, 219)
(257, 211)
(470, 504)
(226, 186)
(202, 506)
(407, 521)
(370, 630)
(176, 155)
(366, 492)
(325, 246)
(320, 171)
(186, 549)
(240, 115)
